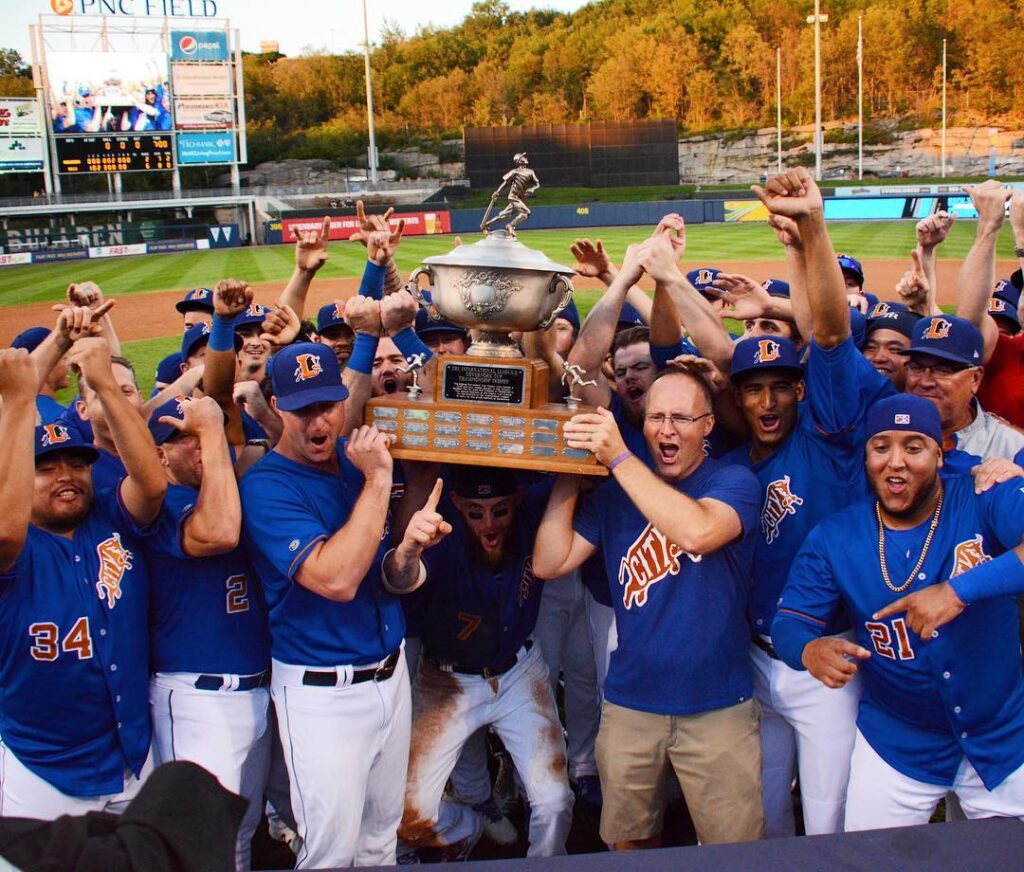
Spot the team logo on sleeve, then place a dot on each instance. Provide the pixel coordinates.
(54, 434)
(767, 351)
(115, 560)
(647, 561)
(969, 554)
(938, 329)
(779, 501)
(308, 366)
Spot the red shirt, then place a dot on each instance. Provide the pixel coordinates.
(1002, 389)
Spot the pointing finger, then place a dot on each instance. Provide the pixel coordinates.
(893, 608)
(435, 496)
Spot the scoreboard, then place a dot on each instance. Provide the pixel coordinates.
(114, 154)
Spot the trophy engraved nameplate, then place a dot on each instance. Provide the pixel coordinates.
(490, 406)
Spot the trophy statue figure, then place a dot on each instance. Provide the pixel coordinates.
(572, 375)
(521, 182)
(415, 364)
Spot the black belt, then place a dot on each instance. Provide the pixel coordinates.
(381, 672)
(487, 671)
(765, 646)
(245, 682)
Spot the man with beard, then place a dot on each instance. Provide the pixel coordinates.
(689, 522)
(475, 616)
(210, 644)
(935, 621)
(75, 588)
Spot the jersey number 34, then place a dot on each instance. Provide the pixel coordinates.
(45, 635)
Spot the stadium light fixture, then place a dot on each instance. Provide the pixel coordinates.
(369, 98)
(817, 20)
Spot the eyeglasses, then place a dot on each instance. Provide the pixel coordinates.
(657, 419)
(937, 370)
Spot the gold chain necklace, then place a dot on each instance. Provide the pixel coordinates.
(924, 551)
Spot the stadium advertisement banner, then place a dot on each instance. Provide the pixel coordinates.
(21, 154)
(745, 210)
(19, 117)
(199, 45)
(59, 254)
(206, 148)
(197, 113)
(117, 250)
(201, 80)
(416, 224)
(108, 92)
(15, 259)
(151, 8)
(162, 245)
(223, 236)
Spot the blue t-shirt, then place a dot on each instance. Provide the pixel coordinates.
(683, 640)
(632, 434)
(207, 614)
(49, 409)
(287, 510)
(74, 652)
(817, 471)
(926, 705)
(469, 613)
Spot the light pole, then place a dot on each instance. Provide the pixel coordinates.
(942, 169)
(778, 104)
(817, 20)
(369, 98)
(860, 98)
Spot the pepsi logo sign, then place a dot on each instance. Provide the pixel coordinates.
(188, 44)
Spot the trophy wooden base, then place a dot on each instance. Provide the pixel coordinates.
(484, 413)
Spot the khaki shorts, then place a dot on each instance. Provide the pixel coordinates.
(716, 756)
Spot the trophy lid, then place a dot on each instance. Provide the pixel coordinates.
(499, 251)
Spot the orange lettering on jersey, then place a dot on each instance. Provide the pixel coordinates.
(779, 501)
(115, 560)
(308, 367)
(969, 554)
(526, 581)
(938, 329)
(647, 561)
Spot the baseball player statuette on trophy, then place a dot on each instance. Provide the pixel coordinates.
(490, 406)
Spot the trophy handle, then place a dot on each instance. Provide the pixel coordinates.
(414, 289)
(562, 303)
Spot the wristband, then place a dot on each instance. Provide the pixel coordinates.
(222, 334)
(410, 344)
(363, 350)
(399, 591)
(625, 454)
(372, 284)
(1002, 576)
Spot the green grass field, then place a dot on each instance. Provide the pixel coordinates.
(706, 243)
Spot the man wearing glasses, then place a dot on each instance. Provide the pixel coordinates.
(678, 543)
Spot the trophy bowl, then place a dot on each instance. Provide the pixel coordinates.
(495, 286)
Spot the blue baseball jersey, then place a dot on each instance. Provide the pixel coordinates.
(108, 470)
(287, 510)
(818, 470)
(632, 434)
(206, 614)
(74, 652)
(49, 409)
(925, 705)
(472, 614)
(677, 615)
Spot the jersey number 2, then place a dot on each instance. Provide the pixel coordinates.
(238, 594)
(882, 639)
(77, 641)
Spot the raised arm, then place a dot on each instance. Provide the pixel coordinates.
(593, 261)
(978, 273)
(89, 294)
(403, 569)
(310, 255)
(787, 232)
(143, 490)
(558, 549)
(73, 323)
(931, 233)
(17, 461)
(337, 566)
(230, 299)
(794, 194)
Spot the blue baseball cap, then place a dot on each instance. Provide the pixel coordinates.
(629, 315)
(168, 369)
(253, 315)
(331, 315)
(902, 321)
(947, 337)
(306, 373)
(195, 336)
(1000, 307)
(776, 288)
(571, 314)
(426, 325)
(858, 327)
(30, 339)
(904, 412)
(196, 300)
(851, 265)
(1006, 289)
(703, 279)
(56, 436)
(762, 353)
(173, 408)
(880, 308)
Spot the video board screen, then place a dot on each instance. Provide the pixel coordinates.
(114, 154)
(108, 92)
